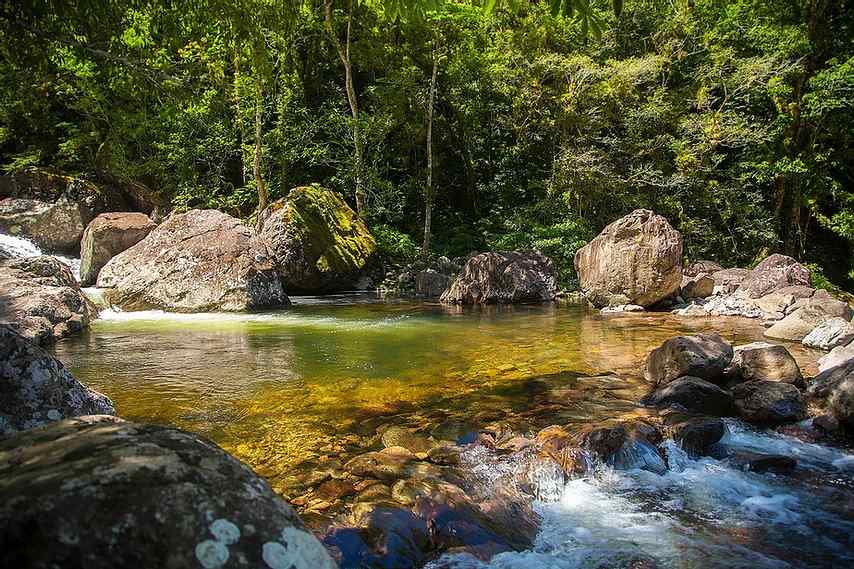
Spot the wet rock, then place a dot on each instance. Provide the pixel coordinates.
(840, 401)
(698, 286)
(727, 281)
(765, 362)
(35, 388)
(830, 334)
(107, 493)
(773, 273)
(444, 455)
(504, 278)
(818, 309)
(389, 464)
(763, 463)
(837, 356)
(623, 308)
(384, 536)
(431, 284)
(626, 446)
(635, 260)
(40, 298)
(704, 355)
(317, 241)
(406, 438)
(564, 450)
(108, 235)
(696, 435)
(700, 267)
(821, 385)
(692, 394)
(198, 261)
(769, 402)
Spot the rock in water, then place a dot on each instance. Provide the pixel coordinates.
(36, 389)
(765, 362)
(40, 298)
(107, 493)
(108, 235)
(635, 260)
(431, 283)
(202, 260)
(773, 273)
(504, 278)
(317, 241)
(705, 356)
(830, 334)
(692, 394)
(814, 311)
(841, 401)
(769, 402)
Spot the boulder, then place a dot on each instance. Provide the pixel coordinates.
(40, 298)
(50, 209)
(431, 283)
(698, 286)
(705, 356)
(727, 281)
(317, 241)
(701, 267)
(626, 446)
(830, 334)
(841, 401)
(36, 389)
(773, 273)
(768, 402)
(694, 395)
(774, 303)
(107, 493)
(108, 235)
(202, 260)
(697, 434)
(616, 308)
(816, 310)
(823, 384)
(504, 278)
(761, 361)
(635, 260)
(837, 356)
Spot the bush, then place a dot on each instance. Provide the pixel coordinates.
(394, 246)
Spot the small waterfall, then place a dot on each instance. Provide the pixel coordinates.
(20, 248)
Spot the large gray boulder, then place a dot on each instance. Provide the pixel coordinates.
(40, 298)
(202, 260)
(504, 278)
(705, 356)
(769, 402)
(635, 260)
(773, 273)
(814, 311)
(761, 361)
(98, 492)
(317, 241)
(830, 334)
(36, 389)
(108, 235)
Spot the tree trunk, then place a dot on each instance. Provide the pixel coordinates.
(428, 192)
(238, 113)
(263, 198)
(344, 55)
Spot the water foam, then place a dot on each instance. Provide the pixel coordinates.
(20, 248)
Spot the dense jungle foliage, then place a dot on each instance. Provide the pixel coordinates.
(733, 118)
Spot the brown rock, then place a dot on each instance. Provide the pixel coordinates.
(765, 362)
(698, 286)
(704, 355)
(504, 278)
(775, 272)
(108, 235)
(700, 267)
(769, 402)
(816, 310)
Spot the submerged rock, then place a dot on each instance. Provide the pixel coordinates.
(773, 273)
(504, 278)
(40, 298)
(763, 361)
(692, 394)
(317, 241)
(705, 356)
(108, 235)
(635, 260)
(35, 388)
(830, 334)
(107, 493)
(769, 402)
(198, 261)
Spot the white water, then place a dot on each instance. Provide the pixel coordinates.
(701, 513)
(20, 248)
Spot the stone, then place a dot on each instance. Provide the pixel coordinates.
(705, 356)
(622, 308)
(727, 281)
(108, 493)
(42, 300)
(836, 357)
(199, 261)
(108, 235)
(698, 286)
(773, 273)
(776, 302)
(626, 446)
(765, 362)
(800, 292)
(36, 389)
(804, 320)
(730, 305)
(830, 334)
(431, 283)
(406, 438)
(840, 402)
(762, 463)
(768, 402)
(381, 465)
(700, 267)
(697, 435)
(504, 278)
(385, 536)
(637, 257)
(694, 395)
(823, 384)
(318, 243)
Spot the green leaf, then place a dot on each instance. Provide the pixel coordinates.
(618, 7)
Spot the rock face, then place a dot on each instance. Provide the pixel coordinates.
(692, 394)
(202, 260)
(108, 235)
(635, 260)
(830, 334)
(107, 493)
(773, 273)
(761, 361)
(50, 209)
(504, 278)
(816, 310)
(705, 356)
(36, 389)
(769, 402)
(317, 241)
(698, 286)
(40, 298)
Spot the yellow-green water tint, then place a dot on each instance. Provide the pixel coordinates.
(282, 389)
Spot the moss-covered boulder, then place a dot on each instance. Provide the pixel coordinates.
(318, 242)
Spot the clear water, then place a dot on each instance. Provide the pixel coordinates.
(284, 390)
(19, 248)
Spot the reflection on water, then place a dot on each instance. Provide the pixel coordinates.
(280, 389)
